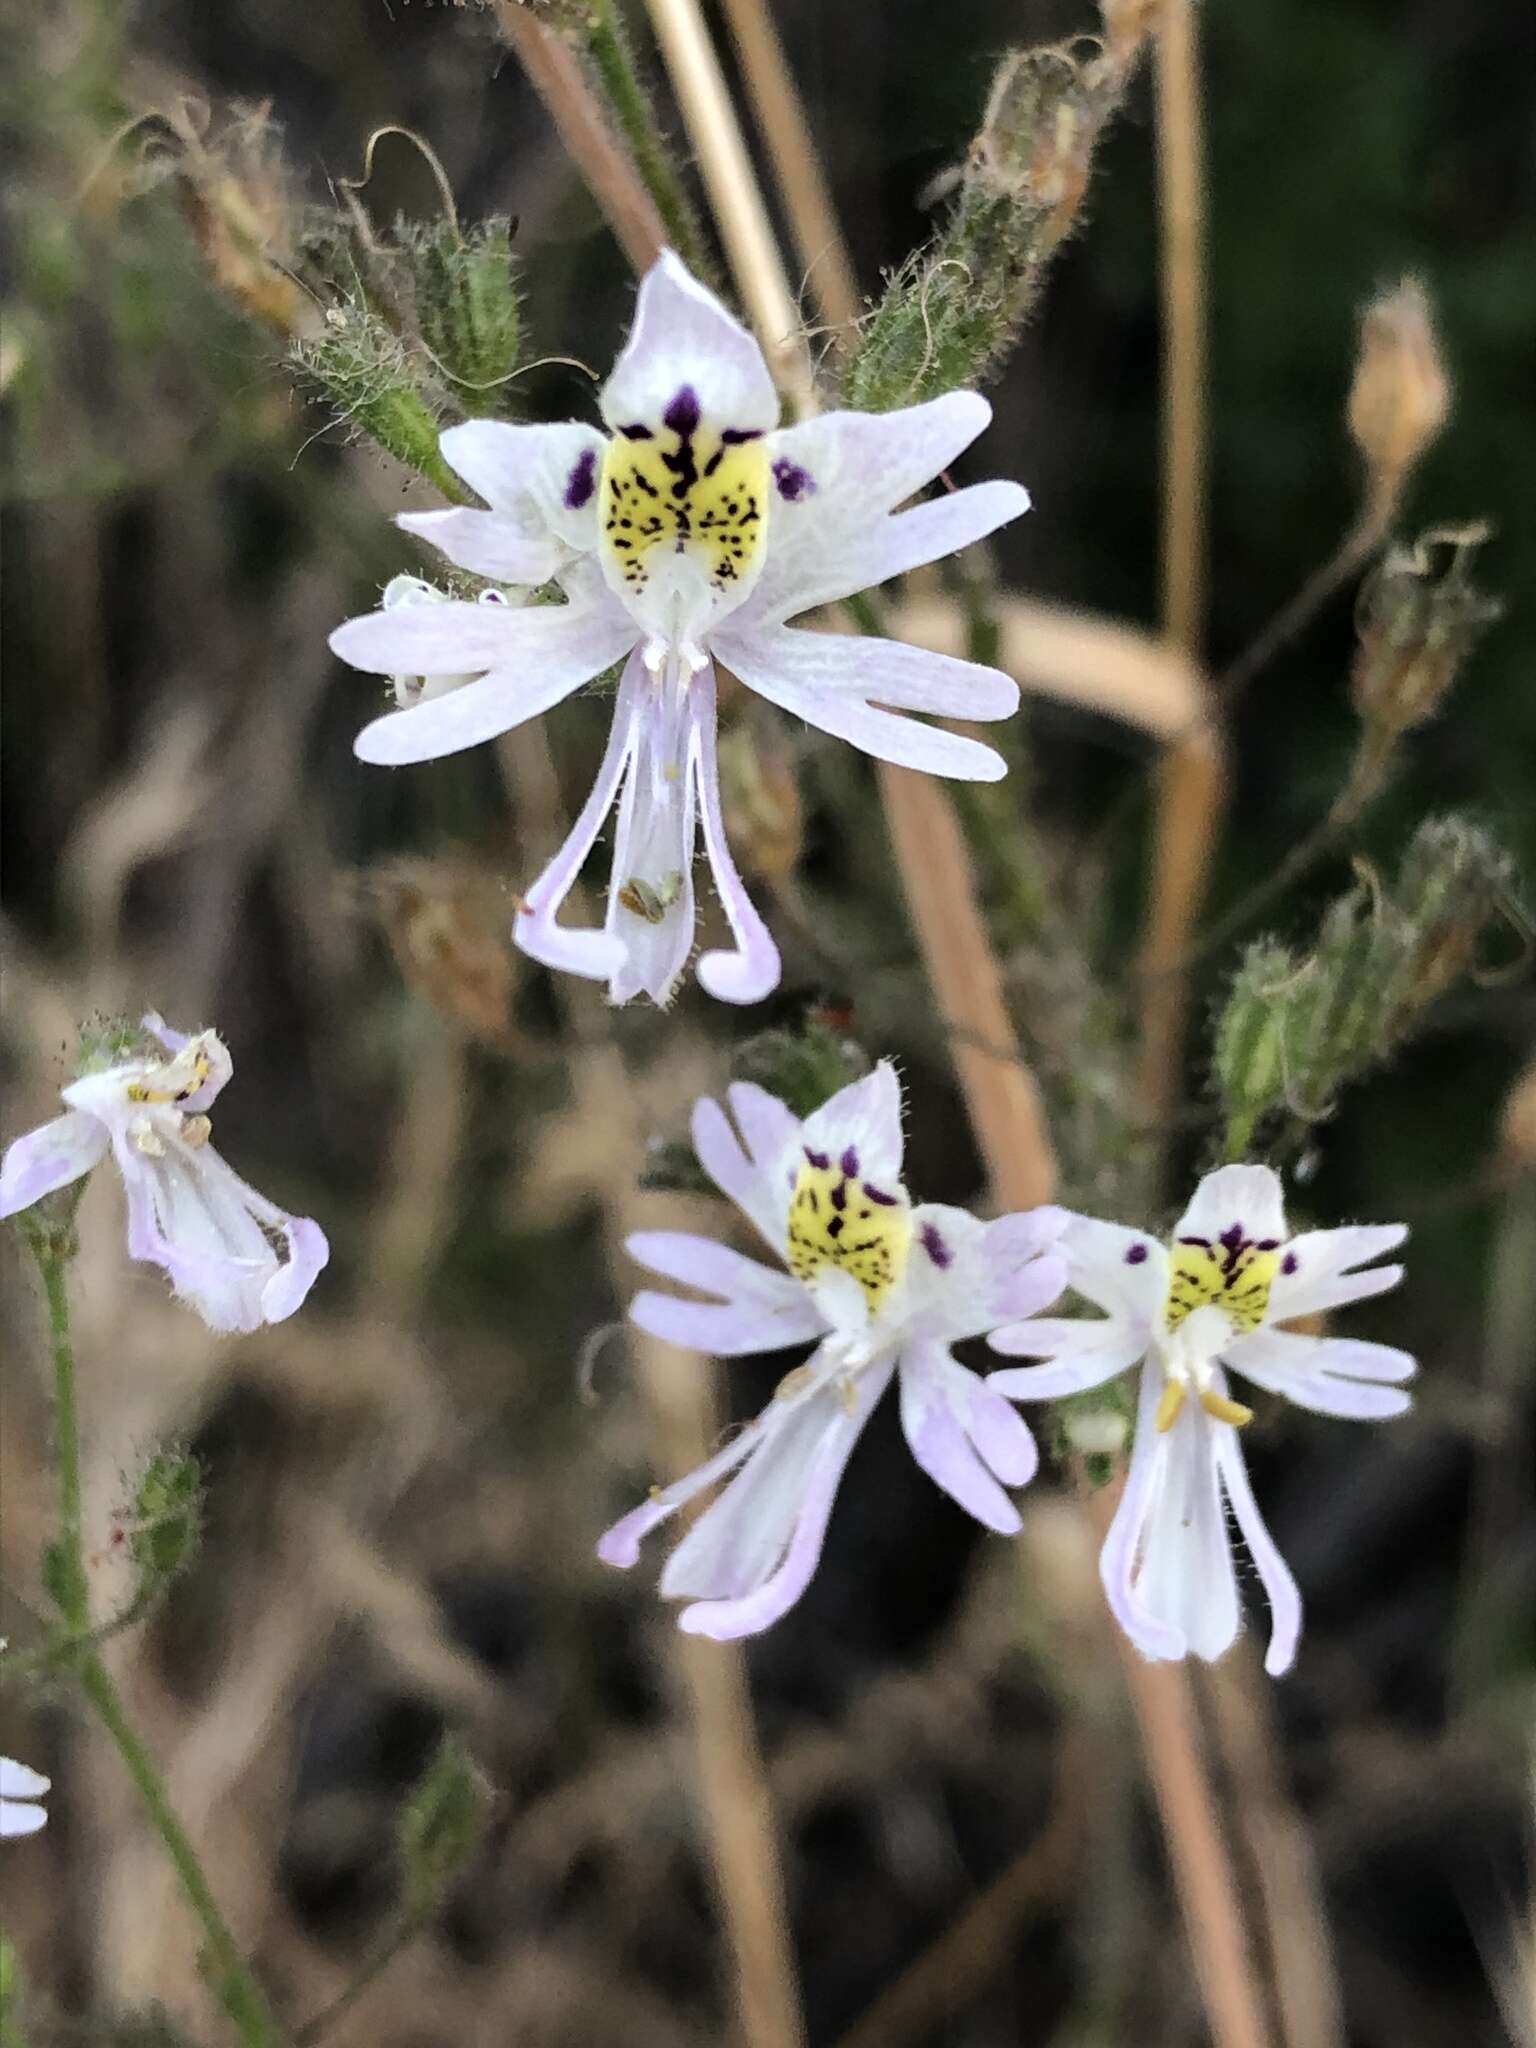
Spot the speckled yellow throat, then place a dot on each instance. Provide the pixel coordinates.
(1232, 1272)
(836, 1219)
(685, 487)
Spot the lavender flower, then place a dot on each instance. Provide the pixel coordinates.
(692, 532)
(187, 1210)
(1213, 1299)
(880, 1288)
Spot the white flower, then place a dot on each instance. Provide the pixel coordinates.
(414, 590)
(187, 1210)
(1210, 1301)
(20, 1789)
(880, 1288)
(693, 531)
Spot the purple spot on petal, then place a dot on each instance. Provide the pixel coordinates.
(733, 437)
(1137, 1255)
(875, 1195)
(794, 482)
(1268, 1244)
(583, 480)
(819, 1160)
(839, 1195)
(849, 1162)
(1231, 1237)
(682, 415)
(1289, 1263)
(935, 1246)
(636, 432)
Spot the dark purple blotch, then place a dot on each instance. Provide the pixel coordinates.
(733, 437)
(1137, 1255)
(935, 1246)
(875, 1195)
(583, 480)
(849, 1162)
(819, 1160)
(794, 482)
(1289, 1263)
(682, 415)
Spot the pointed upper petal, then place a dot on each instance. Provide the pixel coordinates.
(48, 1158)
(865, 1119)
(683, 339)
(757, 1169)
(1122, 1271)
(1249, 1197)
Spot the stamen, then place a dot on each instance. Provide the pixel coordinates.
(196, 1130)
(1224, 1410)
(1169, 1407)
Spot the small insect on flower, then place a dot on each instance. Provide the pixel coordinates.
(1213, 1300)
(881, 1289)
(236, 1257)
(20, 1791)
(695, 528)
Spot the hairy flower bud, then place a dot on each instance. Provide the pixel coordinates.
(1418, 618)
(467, 309)
(164, 1521)
(363, 371)
(1401, 393)
(442, 1822)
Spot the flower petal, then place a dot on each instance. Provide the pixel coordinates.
(1082, 1355)
(543, 654)
(752, 970)
(486, 544)
(1122, 1271)
(947, 1417)
(1249, 1196)
(759, 1309)
(1315, 1273)
(864, 1118)
(1274, 1573)
(538, 480)
(756, 1174)
(1331, 1375)
(750, 1612)
(50, 1157)
(20, 1781)
(1120, 1557)
(837, 682)
(595, 954)
(683, 338)
(620, 1545)
(650, 885)
(17, 1819)
(1173, 1580)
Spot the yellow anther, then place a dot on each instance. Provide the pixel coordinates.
(1225, 1410)
(197, 1130)
(1169, 1406)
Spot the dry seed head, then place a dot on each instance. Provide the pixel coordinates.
(1418, 618)
(1401, 393)
(1036, 139)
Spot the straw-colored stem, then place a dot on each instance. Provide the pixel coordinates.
(735, 196)
(735, 1802)
(556, 77)
(796, 165)
(1191, 784)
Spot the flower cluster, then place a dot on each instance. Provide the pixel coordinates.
(883, 1289)
(691, 532)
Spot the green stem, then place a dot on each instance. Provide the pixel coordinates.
(236, 1986)
(608, 47)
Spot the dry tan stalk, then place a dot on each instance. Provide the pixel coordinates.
(556, 77)
(1191, 786)
(745, 228)
(796, 165)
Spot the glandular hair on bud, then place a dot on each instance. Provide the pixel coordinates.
(467, 308)
(1418, 618)
(363, 370)
(1401, 394)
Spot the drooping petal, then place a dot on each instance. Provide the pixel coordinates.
(541, 485)
(1274, 1573)
(1250, 1197)
(650, 889)
(751, 972)
(1331, 1375)
(1081, 1355)
(683, 339)
(846, 471)
(1120, 1557)
(758, 1308)
(48, 1158)
(596, 954)
(961, 1435)
(839, 682)
(757, 1170)
(757, 1608)
(203, 1051)
(1316, 1270)
(531, 659)
(620, 1544)
(863, 1119)
(191, 1213)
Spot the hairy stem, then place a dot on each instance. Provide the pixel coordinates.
(613, 60)
(235, 1985)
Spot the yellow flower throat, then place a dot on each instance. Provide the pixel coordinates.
(836, 1219)
(684, 488)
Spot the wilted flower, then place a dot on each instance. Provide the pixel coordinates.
(694, 530)
(187, 1210)
(880, 1288)
(20, 1789)
(1211, 1300)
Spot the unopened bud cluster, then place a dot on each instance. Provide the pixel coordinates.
(1296, 1027)
(949, 316)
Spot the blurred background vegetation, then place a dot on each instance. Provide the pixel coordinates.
(404, 1485)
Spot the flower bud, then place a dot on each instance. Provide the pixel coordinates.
(1418, 618)
(467, 309)
(1037, 135)
(803, 1068)
(1401, 394)
(1250, 1046)
(443, 1821)
(363, 371)
(164, 1522)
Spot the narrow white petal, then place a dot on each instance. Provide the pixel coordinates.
(487, 544)
(1087, 1362)
(1274, 1573)
(49, 1158)
(753, 1178)
(17, 1819)
(1187, 1580)
(1316, 1271)
(951, 1424)
(1120, 1559)
(650, 886)
(1330, 1375)
(20, 1781)
(751, 971)
(541, 479)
